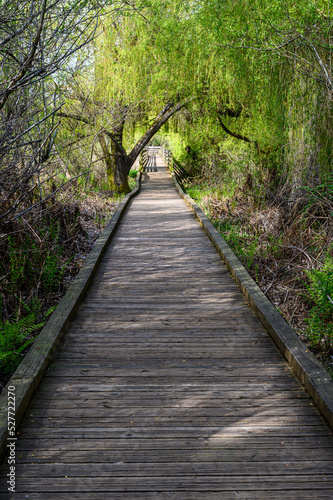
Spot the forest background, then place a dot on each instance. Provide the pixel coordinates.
(240, 91)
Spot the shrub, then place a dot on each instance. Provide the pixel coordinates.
(320, 289)
(15, 337)
(133, 173)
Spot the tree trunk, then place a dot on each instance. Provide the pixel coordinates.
(109, 162)
(122, 169)
(118, 154)
(124, 161)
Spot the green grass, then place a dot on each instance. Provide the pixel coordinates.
(132, 178)
(244, 244)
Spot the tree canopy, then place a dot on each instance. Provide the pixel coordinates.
(250, 78)
(258, 76)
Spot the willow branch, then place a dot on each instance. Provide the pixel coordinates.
(78, 118)
(237, 136)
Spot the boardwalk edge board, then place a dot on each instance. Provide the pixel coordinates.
(31, 370)
(312, 374)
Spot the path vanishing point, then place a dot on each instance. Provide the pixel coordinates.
(166, 385)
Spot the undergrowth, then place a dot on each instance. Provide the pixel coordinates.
(288, 252)
(40, 254)
(320, 319)
(17, 335)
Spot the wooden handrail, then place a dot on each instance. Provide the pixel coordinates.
(143, 159)
(179, 171)
(167, 157)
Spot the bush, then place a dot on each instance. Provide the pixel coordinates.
(320, 289)
(16, 336)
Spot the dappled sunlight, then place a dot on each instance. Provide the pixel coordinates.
(166, 382)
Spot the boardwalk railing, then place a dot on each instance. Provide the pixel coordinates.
(146, 152)
(167, 157)
(143, 159)
(154, 150)
(179, 171)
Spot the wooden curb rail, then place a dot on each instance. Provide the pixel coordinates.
(28, 375)
(315, 378)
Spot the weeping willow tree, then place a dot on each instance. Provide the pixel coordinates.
(134, 66)
(253, 77)
(268, 75)
(269, 83)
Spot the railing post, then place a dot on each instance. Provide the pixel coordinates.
(143, 159)
(168, 158)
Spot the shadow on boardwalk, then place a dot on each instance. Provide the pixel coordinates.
(166, 385)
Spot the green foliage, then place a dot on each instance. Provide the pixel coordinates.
(231, 57)
(198, 192)
(18, 260)
(52, 272)
(31, 267)
(131, 182)
(16, 336)
(133, 173)
(320, 290)
(244, 245)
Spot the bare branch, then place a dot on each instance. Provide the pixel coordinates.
(50, 195)
(3, 148)
(77, 118)
(159, 121)
(27, 61)
(237, 136)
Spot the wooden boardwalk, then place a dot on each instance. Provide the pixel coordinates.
(167, 386)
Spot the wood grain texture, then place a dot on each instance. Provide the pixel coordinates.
(31, 370)
(166, 385)
(312, 374)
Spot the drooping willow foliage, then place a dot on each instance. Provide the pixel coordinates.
(258, 69)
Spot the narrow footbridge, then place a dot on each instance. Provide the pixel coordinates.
(166, 385)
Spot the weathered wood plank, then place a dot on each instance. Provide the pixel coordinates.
(144, 370)
(235, 457)
(227, 406)
(176, 469)
(174, 483)
(230, 434)
(239, 444)
(166, 385)
(140, 386)
(186, 495)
